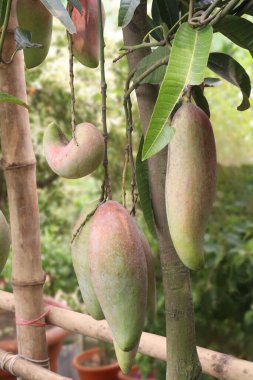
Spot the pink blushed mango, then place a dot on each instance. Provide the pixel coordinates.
(190, 183)
(119, 272)
(85, 42)
(73, 159)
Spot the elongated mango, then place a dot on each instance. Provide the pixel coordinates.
(5, 240)
(151, 300)
(125, 358)
(73, 159)
(190, 183)
(119, 272)
(34, 17)
(79, 251)
(85, 42)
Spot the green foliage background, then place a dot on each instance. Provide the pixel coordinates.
(223, 291)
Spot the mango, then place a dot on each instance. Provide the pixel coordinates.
(75, 158)
(85, 42)
(119, 272)
(151, 300)
(5, 241)
(34, 17)
(190, 183)
(125, 358)
(79, 251)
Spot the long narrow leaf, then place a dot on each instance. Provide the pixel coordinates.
(169, 11)
(188, 60)
(57, 9)
(144, 190)
(7, 98)
(238, 30)
(229, 69)
(76, 4)
(126, 11)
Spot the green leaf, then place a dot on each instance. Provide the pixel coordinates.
(77, 5)
(238, 30)
(169, 11)
(142, 177)
(200, 99)
(23, 39)
(156, 76)
(157, 34)
(229, 69)
(126, 11)
(7, 98)
(155, 12)
(188, 60)
(57, 9)
(3, 4)
(212, 82)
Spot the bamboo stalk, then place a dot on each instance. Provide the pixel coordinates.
(27, 370)
(20, 174)
(182, 358)
(221, 366)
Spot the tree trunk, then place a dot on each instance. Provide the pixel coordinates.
(20, 174)
(182, 358)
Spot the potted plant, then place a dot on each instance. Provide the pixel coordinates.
(8, 342)
(98, 363)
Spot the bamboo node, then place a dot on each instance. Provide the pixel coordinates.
(8, 357)
(45, 363)
(17, 165)
(34, 322)
(24, 284)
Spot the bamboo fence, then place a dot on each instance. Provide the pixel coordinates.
(213, 363)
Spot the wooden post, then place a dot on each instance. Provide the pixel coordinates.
(20, 174)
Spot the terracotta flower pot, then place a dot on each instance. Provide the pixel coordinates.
(105, 372)
(134, 374)
(55, 336)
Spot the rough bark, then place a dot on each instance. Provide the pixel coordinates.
(182, 358)
(20, 174)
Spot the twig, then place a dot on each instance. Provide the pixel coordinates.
(191, 9)
(106, 186)
(71, 81)
(139, 79)
(144, 45)
(4, 28)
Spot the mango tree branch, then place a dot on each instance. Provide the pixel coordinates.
(182, 358)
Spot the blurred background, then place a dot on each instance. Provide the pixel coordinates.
(223, 291)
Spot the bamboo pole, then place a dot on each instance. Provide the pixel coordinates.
(29, 371)
(182, 358)
(221, 366)
(20, 174)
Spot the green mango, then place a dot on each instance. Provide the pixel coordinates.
(74, 158)
(79, 251)
(190, 183)
(5, 241)
(125, 358)
(34, 17)
(119, 272)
